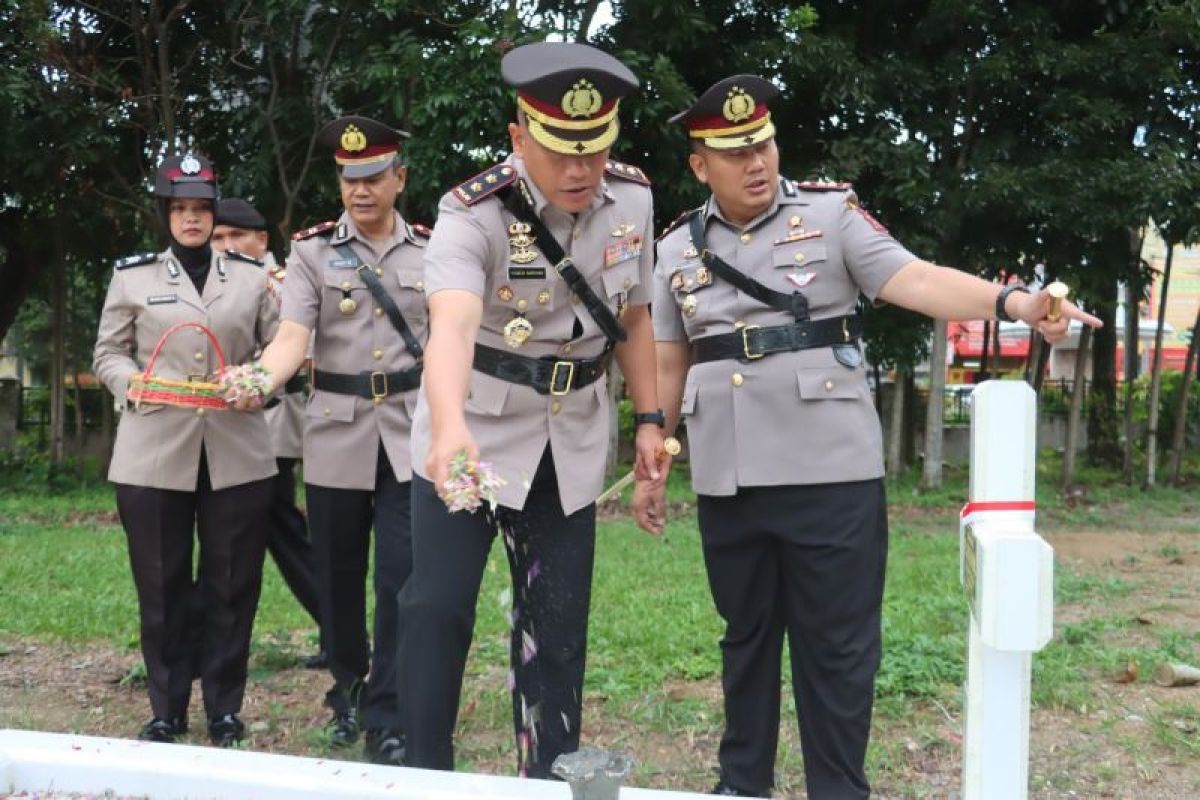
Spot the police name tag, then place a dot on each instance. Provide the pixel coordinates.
(624, 250)
(161, 299)
(527, 273)
(343, 263)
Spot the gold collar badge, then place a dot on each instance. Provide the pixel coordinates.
(738, 105)
(582, 99)
(353, 139)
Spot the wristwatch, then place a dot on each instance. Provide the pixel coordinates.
(656, 417)
(1001, 314)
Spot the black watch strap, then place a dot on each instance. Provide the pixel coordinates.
(1001, 298)
(656, 417)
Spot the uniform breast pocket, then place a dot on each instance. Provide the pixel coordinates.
(805, 253)
(343, 280)
(327, 405)
(620, 279)
(830, 384)
(691, 392)
(412, 294)
(487, 395)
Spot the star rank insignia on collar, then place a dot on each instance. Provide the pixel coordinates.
(626, 171)
(486, 183)
(135, 260)
(308, 233)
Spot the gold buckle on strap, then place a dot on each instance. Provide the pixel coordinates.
(379, 386)
(570, 366)
(746, 343)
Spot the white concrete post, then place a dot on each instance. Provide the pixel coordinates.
(1007, 572)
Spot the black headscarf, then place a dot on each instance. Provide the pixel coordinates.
(196, 261)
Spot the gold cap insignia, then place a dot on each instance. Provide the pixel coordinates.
(353, 139)
(582, 99)
(738, 105)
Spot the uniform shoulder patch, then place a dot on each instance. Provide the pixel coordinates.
(627, 171)
(675, 223)
(135, 260)
(485, 184)
(315, 230)
(238, 256)
(824, 186)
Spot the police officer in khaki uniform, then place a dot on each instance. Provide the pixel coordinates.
(179, 470)
(356, 287)
(758, 350)
(242, 229)
(537, 272)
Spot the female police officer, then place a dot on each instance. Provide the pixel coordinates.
(178, 469)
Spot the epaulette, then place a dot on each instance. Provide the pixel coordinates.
(423, 231)
(485, 184)
(675, 223)
(627, 171)
(825, 186)
(308, 233)
(135, 261)
(237, 256)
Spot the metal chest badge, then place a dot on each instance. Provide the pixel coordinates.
(517, 331)
(520, 243)
(689, 305)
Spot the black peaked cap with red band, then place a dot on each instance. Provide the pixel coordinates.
(731, 113)
(187, 175)
(362, 146)
(569, 93)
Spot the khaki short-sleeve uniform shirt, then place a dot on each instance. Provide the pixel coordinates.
(789, 418)
(159, 445)
(472, 249)
(343, 431)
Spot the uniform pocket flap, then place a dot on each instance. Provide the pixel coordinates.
(621, 278)
(487, 394)
(411, 279)
(828, 385)
(690, 392)
(328, 405)
(799, 254)
(691, 277)
(342, 279)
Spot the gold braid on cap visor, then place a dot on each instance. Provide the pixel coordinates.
(368, 160)
(573, 147)
(732, 138)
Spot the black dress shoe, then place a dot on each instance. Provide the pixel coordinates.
(226, 730)
(385, 746)
(163, 730)
(344, 728)
(317, 661)
(725, 790)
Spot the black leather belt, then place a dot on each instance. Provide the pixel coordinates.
(371, 385)
(298, 383)
(546, 375)
(752, 342)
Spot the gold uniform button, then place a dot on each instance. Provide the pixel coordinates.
(739, 324)
(345, 284)
(738, 380)
(377, 354)
(199, 356)
(420, 284)
(522, 304)
(566, 348)
(799, 257)
(829, 386)
(200, 412)
(745, 237)
(377, 400)
(555, 407)
(327, 411)
(379, 312)
(379, 272)
(627, 283)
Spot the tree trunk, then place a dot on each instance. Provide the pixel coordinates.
(58, 318)
(895, 443)
(1104, 446)
(1181, 404)
(1133, 300)
(1077, 389)
(1156, 371)
(931, 474)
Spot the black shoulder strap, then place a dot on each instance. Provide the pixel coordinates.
(520, 205)
(795, 303)
(384, 299)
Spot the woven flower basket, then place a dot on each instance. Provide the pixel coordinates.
(146, 387)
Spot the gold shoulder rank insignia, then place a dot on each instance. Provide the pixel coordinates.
(675, 223)
(824, 186)
(422, 230)
(627, 171)
(135, 260)
(485, 184)
(234, 254)
(308, 233)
